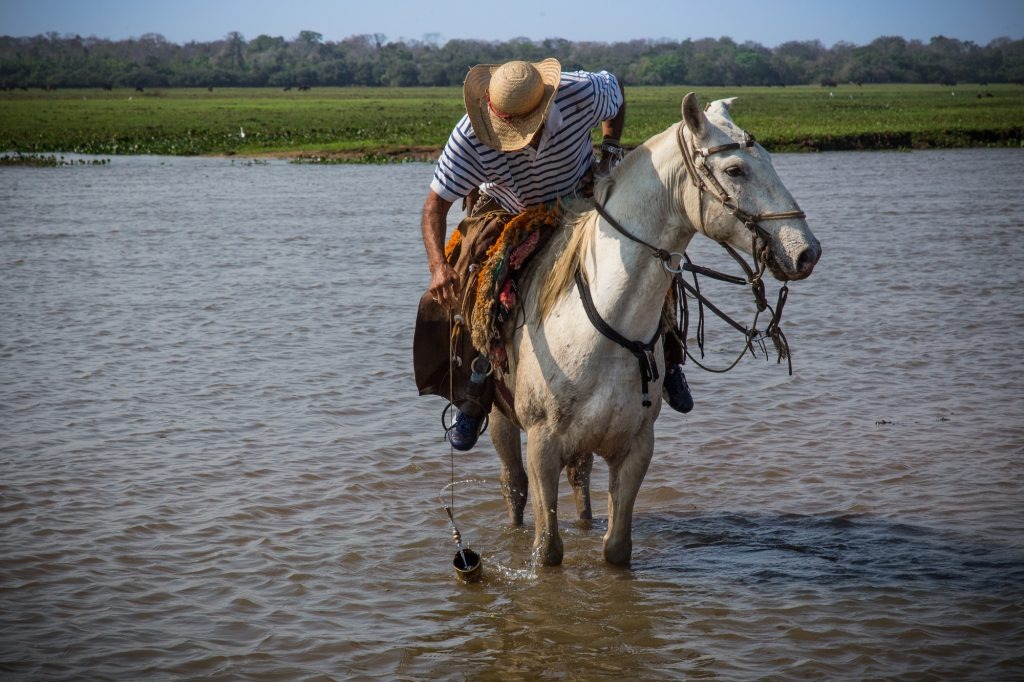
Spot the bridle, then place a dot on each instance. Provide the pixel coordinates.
(705, 181)
(702, 177)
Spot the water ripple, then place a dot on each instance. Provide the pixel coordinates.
(213, 462)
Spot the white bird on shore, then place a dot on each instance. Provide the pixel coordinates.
(241, 132)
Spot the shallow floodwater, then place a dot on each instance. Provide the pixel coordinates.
(214, 464)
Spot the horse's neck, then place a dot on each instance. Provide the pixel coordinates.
(627, 282)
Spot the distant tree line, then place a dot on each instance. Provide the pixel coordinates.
(52, 60)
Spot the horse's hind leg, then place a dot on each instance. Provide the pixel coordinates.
(578, 473)
(544, 466)
(514, 484)
(624, 479)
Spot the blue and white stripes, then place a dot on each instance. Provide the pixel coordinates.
(527, 177)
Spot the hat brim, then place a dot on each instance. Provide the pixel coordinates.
(507, 134)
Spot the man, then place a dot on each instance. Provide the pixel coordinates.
(525, 140)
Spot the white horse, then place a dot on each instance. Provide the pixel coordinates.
(576, 391)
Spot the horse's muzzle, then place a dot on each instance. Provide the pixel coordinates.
(806, 261)
(797, 264)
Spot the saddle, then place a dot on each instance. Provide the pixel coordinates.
(489, 252)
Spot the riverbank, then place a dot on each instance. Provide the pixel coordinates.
(375, 125)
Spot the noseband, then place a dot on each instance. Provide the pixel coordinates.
(702, 177)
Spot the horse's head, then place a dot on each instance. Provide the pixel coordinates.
(742, 202)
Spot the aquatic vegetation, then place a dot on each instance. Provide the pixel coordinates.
(851, 117)
(377, 125)
(47, 161)
(400, 156)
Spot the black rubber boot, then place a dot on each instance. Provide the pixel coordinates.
(676, 391)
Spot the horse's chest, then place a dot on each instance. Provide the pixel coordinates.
(588, 394)
(609, 420)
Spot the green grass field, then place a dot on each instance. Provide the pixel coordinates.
(375, 124)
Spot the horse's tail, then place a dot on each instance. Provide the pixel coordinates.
(559, 280)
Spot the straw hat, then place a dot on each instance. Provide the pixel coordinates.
(507, 102)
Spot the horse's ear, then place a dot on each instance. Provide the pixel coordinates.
(693, 117)
(721, 108)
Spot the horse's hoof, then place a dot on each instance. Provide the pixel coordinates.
(551, 559)
(618, 554)
(550, 554)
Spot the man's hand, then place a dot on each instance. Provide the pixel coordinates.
(611, 149)
(444, 283)
(611, 155)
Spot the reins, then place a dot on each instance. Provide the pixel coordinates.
(703, 179)
(702, 175)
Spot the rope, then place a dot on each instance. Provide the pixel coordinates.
(451, 392)
(450, 506)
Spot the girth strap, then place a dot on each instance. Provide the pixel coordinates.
(643, 352)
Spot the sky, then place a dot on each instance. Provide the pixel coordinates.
(768, 22)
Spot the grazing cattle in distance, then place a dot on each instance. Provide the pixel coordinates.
(829, 84)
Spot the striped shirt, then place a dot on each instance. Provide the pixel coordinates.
(528, 177)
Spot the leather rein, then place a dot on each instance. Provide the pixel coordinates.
(705, 181)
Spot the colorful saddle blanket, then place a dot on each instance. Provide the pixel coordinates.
(489, 253)
(495, 287)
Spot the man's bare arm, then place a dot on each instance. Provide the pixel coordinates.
(612, 131)
(444, 284)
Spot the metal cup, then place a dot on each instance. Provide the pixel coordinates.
(468, 566)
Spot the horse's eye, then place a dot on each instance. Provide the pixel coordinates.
(735, 171)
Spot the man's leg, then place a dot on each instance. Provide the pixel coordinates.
(675, 389)
(473, 407)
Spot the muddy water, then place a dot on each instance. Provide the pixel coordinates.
(213, 463)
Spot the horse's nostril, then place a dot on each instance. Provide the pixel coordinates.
(807, 260)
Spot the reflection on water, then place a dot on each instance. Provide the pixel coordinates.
(213, 462)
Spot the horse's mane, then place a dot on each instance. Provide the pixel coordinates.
(576, 240)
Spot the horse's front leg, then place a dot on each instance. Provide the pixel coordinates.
(578, 472)
(624, 478)
(514, 484)
(544, 468)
